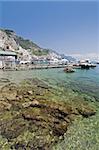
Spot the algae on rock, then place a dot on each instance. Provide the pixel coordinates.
(35, 116)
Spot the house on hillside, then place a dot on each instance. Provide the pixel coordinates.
(7, 59)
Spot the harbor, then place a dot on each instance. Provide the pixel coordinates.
(49, 75)
(9, 61)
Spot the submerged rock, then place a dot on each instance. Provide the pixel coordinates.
(85, 112)
(4, 80)
(4, 105)
(31, 119)
(9, 92)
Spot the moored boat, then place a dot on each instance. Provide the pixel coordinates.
(93, 65)
(86, 65)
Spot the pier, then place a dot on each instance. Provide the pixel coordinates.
(31, 67)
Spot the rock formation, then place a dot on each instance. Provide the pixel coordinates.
(30, 119)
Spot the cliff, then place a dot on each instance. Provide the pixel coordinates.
(26, 49)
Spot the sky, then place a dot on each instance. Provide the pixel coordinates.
(69, 27)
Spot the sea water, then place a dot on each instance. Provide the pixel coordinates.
(82, 80)
(83, 134)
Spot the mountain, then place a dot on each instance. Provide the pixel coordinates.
(69, 58)
(25, 48)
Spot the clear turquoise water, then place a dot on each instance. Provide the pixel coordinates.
(85, 81)
(83, 134)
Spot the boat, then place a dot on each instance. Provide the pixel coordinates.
(84, 66)
(93, 65)
(98, 62)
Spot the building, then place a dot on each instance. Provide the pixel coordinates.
(7, 59)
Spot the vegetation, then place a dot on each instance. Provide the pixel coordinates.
(29, 45)
(8, 32)
(83, 134)
(26, 44)
(40, 52)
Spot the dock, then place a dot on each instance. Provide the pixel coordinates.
(31, 67)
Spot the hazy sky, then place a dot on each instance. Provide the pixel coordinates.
(67, 27)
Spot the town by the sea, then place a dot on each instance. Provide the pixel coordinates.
(49, 75)
(83, 84)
